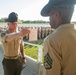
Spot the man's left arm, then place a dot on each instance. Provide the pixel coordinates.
(22, 52)
(52, 58)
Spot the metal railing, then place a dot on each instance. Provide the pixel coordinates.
(39, 61)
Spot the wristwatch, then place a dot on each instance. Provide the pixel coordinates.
(23, 58)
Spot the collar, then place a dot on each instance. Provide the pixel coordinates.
(8, 31)
(63, 26)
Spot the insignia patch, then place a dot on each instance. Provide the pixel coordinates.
(48, 61)
(3, 34)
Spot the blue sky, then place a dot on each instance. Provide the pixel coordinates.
(26, 9)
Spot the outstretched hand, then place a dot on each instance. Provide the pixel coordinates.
(24, 32)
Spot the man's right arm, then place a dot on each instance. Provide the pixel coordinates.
(12, 36)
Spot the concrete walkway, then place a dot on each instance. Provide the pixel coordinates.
(1, 58)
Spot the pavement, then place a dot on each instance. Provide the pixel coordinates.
(1, 58)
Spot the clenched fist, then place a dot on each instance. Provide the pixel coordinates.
(24, 32)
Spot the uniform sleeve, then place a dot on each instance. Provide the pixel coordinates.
(2, 36)
(52, 59)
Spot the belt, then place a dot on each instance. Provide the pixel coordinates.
(12, 57)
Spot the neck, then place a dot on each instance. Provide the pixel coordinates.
(12, 30)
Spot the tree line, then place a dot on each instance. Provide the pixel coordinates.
(3, 20)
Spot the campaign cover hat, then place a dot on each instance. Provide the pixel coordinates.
(51, 3)
(12, 17)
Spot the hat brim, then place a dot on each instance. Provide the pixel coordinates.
(9, 20)
(46, 9)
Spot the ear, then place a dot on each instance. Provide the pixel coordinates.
(57, 15)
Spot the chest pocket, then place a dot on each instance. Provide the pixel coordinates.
(18, 41)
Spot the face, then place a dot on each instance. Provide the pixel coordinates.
(52, 22)
(12, 26)
(53, 17)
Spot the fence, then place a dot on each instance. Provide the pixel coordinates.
(39, 61)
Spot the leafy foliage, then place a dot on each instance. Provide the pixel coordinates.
(3, 20)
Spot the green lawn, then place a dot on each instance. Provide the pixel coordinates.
(32, 51)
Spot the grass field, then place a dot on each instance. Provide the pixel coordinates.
(32, 51)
